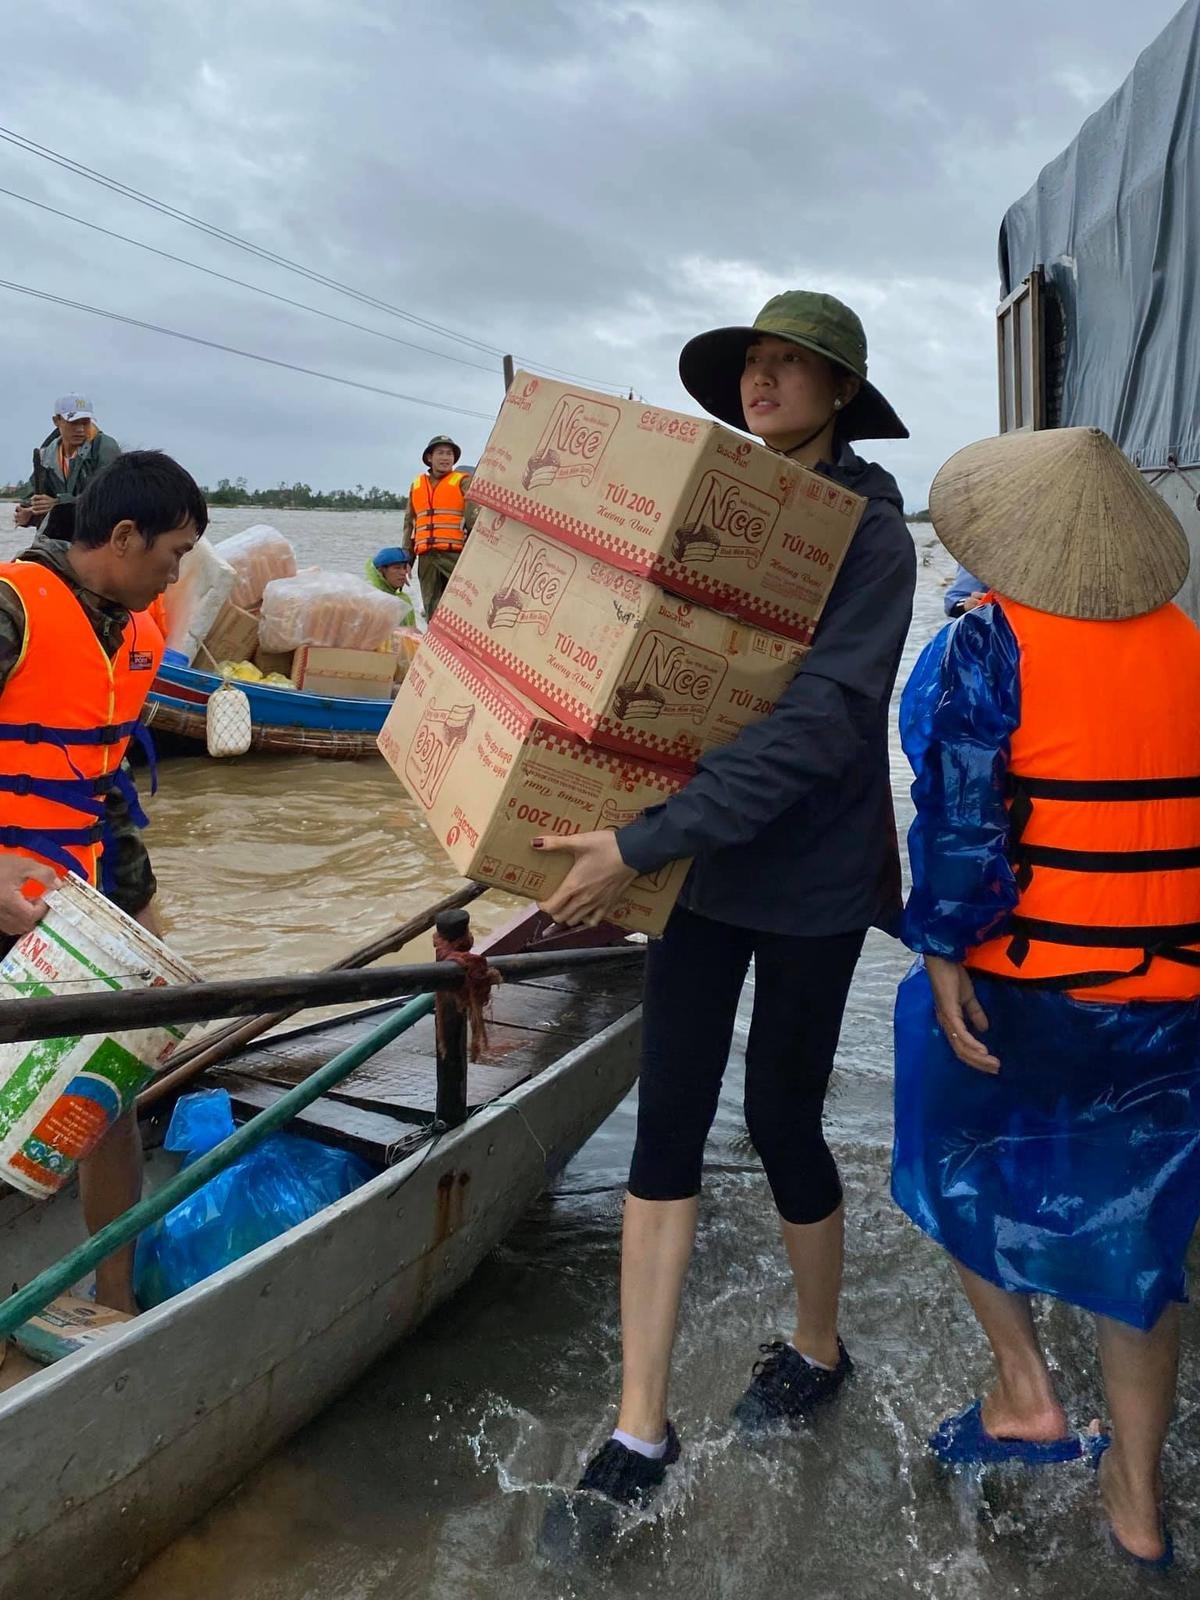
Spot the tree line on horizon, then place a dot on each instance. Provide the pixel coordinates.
(284, 497)
(302, 497)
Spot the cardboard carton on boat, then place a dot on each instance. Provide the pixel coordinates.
(492, 773)
(700, 510)
(609, 654)
(233, 636)
(344, 674)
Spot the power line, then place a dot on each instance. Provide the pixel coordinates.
(241, 283)
(164, 208)
(250, 355)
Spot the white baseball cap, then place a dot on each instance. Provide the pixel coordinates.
(74, 408)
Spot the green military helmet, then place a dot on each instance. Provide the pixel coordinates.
(441, 438)
(711, 364)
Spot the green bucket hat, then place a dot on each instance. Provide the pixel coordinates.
(711, 364)
(441, 438)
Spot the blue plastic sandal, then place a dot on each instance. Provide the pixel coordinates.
(963, 1441)
(1097, 1444)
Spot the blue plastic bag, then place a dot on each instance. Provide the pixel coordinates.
(1075, 1171)
(281, 1182)
(958, 712)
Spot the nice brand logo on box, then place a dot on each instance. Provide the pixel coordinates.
(440, 735)
(532, 586)
(671, 677)
(725, 518)
(572, 442)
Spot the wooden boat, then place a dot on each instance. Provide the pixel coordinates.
(111, 1453)
(283, 721)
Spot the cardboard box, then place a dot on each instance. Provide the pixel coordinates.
(611, 655)
(233, 636)
(274, 661)
(702, 511)
(344, 674)
(492, 773)
(66, 1325)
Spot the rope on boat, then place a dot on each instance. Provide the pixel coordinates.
(473, 997)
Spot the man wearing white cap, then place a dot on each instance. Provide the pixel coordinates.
(64, 463)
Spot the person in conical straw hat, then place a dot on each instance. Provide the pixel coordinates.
(793, 837)
(1048, 1041)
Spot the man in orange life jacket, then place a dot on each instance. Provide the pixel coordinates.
(79, 648)
(1048, 1045)
(438, 519)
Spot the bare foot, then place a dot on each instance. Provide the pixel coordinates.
(1134, 1511)
(1041, 1420)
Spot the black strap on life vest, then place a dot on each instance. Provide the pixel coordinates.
(1167, 942)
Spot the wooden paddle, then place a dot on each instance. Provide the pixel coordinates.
(225, 1041)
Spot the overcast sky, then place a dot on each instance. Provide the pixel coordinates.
(586, 184)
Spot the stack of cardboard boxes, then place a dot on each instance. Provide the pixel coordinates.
(640, 586)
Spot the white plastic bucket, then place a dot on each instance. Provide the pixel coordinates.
(59, 1097)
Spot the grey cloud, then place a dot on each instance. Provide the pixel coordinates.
(585, 184)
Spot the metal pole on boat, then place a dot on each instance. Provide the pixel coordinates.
(452, 1029)
(60, 1015)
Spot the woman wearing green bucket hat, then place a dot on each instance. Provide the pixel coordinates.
(795, 857)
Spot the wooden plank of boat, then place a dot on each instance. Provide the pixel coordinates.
(111, 1453)
(531, 1028)
(282, 721)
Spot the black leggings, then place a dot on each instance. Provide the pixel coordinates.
(694, 978)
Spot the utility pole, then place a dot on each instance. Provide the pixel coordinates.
(508, 373)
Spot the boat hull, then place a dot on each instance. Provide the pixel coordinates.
(282, 721)
(108, 1456)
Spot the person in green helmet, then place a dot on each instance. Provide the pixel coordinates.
(795, 857)
(438, 518)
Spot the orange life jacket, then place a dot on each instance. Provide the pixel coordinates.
(66, 716)
(1104, 808)
(439, 508)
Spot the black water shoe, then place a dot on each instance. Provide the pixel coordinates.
(785, 1388)
(585, 1522)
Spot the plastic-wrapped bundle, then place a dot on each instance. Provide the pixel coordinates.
(257, 555)
(283, 1181)
(332, 609)
(405, 642)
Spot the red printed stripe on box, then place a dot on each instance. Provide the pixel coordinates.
(592, 755)
(561, 704)
(517, 718)
(571, 530)
(773, 615)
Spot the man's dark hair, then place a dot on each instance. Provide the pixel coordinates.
(147, 488)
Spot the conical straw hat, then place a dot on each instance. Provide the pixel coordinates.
(1059, 520)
